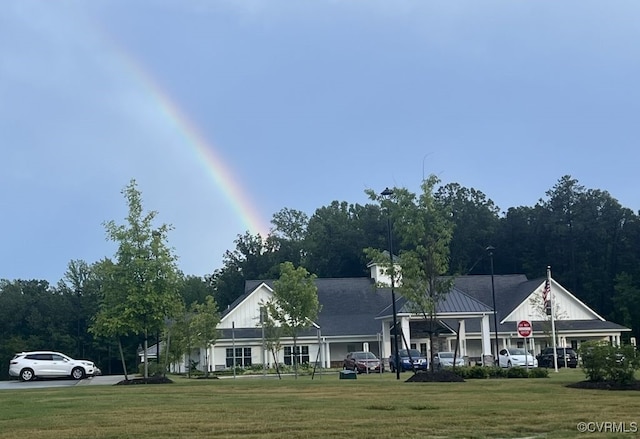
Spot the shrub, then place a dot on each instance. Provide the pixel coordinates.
(478, 372)
(517, 372)
(538, 372)
(602, 361)
(497, 372)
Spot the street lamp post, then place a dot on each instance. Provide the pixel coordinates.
(490, 249)
(387, 193)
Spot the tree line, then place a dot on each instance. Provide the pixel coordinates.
(586, 236)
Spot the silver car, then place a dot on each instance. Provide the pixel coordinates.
(445, 359)
(47, 364)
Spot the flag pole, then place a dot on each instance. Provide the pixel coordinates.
(553, 321)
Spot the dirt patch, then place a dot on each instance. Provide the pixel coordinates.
(150, 380)
(440, 376)
(605, 385)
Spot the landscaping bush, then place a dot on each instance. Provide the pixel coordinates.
(538, 372)
(461, 371)
(497, 372)
(517, 372)
(602, 361)
(478, 372)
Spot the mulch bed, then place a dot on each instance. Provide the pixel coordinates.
(150, 380)
(605, 385)
(440, 376)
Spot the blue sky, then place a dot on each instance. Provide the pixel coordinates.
(304, 102)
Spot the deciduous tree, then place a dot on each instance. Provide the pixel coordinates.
(425, 228)
(294, 304)
(203, 324)
(140, 287)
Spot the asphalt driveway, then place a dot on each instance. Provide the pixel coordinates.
(105, 380)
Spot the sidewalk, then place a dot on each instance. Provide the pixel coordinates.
(102, 380)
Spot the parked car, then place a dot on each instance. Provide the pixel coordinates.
(512, 357)
(362, 362)
(47, 364)
(566, 357)
(445, 359)
(410, 359)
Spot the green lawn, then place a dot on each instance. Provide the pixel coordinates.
(372, 406)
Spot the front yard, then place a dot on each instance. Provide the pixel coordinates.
(369, 406)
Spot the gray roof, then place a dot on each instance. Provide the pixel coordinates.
(510, 290)
(455, 301)
(349, 305)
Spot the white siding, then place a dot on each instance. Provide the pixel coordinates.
(247, 313)
(566, 307)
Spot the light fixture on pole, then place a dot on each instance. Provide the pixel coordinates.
(490, 249)
(387, 194)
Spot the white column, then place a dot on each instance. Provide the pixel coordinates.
(326, 353)
(406, 331)
(462, 336)
(486, 339)
(386, 340)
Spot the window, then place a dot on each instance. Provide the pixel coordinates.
(301, 355)
(39, 357)
(242, 357)
(423, 349)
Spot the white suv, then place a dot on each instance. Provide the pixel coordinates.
(29, 365)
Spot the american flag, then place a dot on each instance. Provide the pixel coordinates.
(546, 296)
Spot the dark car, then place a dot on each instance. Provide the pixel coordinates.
(410, 359)
(567, 357)
(362, 362)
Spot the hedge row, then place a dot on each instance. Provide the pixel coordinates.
(481, 372)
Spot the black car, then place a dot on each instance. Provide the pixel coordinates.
(567, 357)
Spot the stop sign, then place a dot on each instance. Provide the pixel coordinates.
(524, 328)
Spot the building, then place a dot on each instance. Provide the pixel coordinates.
(356, 315)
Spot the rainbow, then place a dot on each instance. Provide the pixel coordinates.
(205, 153)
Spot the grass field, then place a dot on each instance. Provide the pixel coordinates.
(372, 406)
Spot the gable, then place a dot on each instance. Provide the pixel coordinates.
(566, 306)
(245, 312)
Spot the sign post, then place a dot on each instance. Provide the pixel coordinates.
(525, 330)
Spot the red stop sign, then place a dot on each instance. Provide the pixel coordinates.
(524, 328)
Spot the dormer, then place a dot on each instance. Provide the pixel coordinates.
(379, 272)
